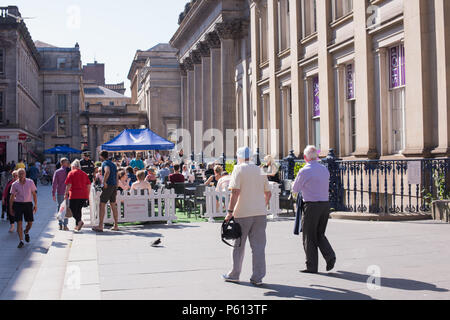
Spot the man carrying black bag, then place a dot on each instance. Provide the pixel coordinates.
(249, 198)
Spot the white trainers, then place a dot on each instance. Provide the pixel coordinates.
(228, 279)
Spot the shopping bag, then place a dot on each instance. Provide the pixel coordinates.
(62, 211)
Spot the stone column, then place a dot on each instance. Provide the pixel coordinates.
(442, 16)
(255, 95)
(418, 118)
(206, 85)
(343, 114)
(183, 72)
(216, 75)
(190, 99)
(92, 140)
(366, 142)
(198, 101)
(275, 130)
(326, 80)
(299, 134)
(228, 33)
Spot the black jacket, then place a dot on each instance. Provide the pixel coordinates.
(88, 167)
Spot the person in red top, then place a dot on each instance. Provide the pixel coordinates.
(77, 190)
(176, 177)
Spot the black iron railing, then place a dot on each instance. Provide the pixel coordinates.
(382, 186)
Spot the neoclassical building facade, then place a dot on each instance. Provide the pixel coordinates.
(367, 78)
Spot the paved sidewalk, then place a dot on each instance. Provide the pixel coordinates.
(411, 258)
(37, 270)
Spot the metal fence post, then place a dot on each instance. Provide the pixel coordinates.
(224, 162)
(258, 160)
(290, 160)
(336, 196)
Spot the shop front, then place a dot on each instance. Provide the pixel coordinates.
(16, 144)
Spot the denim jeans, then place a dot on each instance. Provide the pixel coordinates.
(59, 200)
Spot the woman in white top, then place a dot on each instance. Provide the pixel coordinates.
(141, 184)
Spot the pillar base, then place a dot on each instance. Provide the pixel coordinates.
(366, 153)
(441, 152)
(417, 152)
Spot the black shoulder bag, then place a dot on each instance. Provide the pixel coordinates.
(231, 230)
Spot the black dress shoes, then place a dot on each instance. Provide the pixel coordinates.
(308, 271)
(330, 264)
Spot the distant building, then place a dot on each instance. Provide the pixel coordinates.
(105, 114)
(61, 83)
(21, 105)
(95, 71)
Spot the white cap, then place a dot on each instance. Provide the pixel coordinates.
(244, 153)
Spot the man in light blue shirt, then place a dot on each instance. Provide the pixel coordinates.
(313, 182)
(164, 172)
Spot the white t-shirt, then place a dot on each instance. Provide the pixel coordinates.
(252, 183)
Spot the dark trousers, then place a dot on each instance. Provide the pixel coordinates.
(314, 225)
(75, 206)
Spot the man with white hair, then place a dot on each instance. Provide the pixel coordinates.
(313, 183)
(249, 199)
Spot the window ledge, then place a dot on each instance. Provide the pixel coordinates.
(309, 38)
(284, 53)
(264, 64)
(342, 20)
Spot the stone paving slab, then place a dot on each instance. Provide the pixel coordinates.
(188, 265)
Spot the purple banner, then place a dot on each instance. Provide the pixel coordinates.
(350, 83)
(397, 66)
(316, 105)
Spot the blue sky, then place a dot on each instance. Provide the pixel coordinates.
(109, 31)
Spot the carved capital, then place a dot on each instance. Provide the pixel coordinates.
(196, 57)
(188, 64)
(203, 48)
(234, 29)
(183, 69)
(213, 40)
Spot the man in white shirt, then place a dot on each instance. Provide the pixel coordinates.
(249, 199)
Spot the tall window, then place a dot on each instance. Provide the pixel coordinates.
(1, 106)
(397, 81)
(62, 103)
(2, 61)
(263, 32)
(286, 125)
(265, 133)
(350, 95)
(309, 14)
(283, 25)
(316, 112)
(341, 8)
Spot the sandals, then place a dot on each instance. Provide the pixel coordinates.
(97, 229)
(114, 229)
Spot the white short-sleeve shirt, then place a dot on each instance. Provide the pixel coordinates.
(252, 182)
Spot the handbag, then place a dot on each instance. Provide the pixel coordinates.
(231, 230)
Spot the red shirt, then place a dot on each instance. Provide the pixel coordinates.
(79, 181)
(176, 178)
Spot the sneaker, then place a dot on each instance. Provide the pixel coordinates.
(228, 279)
(20, 246)
(256, 283)
(60, 227)
(27, 237)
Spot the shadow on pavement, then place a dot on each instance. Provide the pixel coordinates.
(284, 291)
(395, 283)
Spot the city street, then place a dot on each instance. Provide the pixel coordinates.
(410, 258)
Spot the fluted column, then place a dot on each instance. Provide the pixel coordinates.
(184, 123)
(190, 98)
(216, 79)
(255, 95)
(198, 101)
(206, 85)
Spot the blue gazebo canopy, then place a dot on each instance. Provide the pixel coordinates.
(138, 140)
(62, 150)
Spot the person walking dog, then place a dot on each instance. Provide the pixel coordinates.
(249, 199)
(313, 183)
(21, 205)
